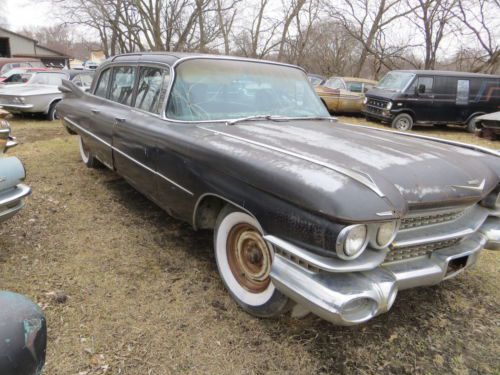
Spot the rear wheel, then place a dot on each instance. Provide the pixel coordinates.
(52, 114)
(403, 122)
(88, 159)
(244, 261)
(471, 125)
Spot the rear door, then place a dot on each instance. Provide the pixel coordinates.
(134, 136)
(95, 119)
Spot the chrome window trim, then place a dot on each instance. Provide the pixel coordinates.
(226, 58)
(129, 157)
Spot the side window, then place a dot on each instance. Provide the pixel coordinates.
(102, 86)
(123, 85)
(355, 86)
(462, 92)
(151, 90)
(425, 82)
(335, 83)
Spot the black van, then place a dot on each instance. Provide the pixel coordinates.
(406, 97)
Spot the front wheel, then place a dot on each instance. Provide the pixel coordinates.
(403, 122)
(244, 261)
(87, 157)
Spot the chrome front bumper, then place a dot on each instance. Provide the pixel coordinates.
(12, 200)
(348, 298)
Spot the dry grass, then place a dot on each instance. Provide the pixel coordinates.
(145, 296)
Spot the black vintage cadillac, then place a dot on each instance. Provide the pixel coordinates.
(309, 215)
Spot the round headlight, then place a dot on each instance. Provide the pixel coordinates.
(389, 105)
(386, 233)
(352, 241)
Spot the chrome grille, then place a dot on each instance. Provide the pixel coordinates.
(417, 251)
(423, 220)
(375, 105)
(422, 232)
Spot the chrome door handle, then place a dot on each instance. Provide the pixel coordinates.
(120, 119)
(95, 111)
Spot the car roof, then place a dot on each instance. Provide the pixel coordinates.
(9, 60)
(74, 72)
(171, 57)
(356, 79)
(448, 73)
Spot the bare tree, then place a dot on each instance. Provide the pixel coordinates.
(480, 19)
(364, 20)
(432, 18)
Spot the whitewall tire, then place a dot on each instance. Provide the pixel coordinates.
(86, 155)
(244, 261)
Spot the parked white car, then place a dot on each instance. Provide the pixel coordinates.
(12, 191)
(39, 95)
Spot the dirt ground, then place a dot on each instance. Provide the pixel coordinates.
(144, 296)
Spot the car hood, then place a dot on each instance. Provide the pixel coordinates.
(360, 166)
(383, 94)
(27, 90)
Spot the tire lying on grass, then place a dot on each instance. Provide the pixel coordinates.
(244, 261)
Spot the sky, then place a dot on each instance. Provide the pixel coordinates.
(21, 13)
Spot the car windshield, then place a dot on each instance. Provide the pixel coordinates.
(334, 83)
(395, 81)
(216, 89)
(18, 78)
(54, 79)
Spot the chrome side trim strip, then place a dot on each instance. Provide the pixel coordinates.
(361, 177)
(129, 157)
(440, 140)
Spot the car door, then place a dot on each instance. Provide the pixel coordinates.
(96, 119)
(134, 136)
(421, 98)
(445, 104)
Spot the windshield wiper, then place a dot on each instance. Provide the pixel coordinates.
(278, 118)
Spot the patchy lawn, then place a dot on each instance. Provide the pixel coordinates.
(145, 296)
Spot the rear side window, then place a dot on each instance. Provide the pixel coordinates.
(462, 92)
(355, 86)
(102, 85)
(123, 85)
(151, 89)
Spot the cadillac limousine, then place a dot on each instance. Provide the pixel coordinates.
(308, 214)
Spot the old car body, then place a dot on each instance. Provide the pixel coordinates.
(82, 79)
(333, 217)
(344, 94)
(403, 98)
(8, 63)
(39, 95)
(12, 191)
(316, 79)
(488, 126)
(18, 75)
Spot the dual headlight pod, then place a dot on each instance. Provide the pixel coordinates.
(354, 239)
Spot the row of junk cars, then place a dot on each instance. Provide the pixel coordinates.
(401, 98)
(424, 97)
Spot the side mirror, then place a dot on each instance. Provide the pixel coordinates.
(23, 335)
(421, 88)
